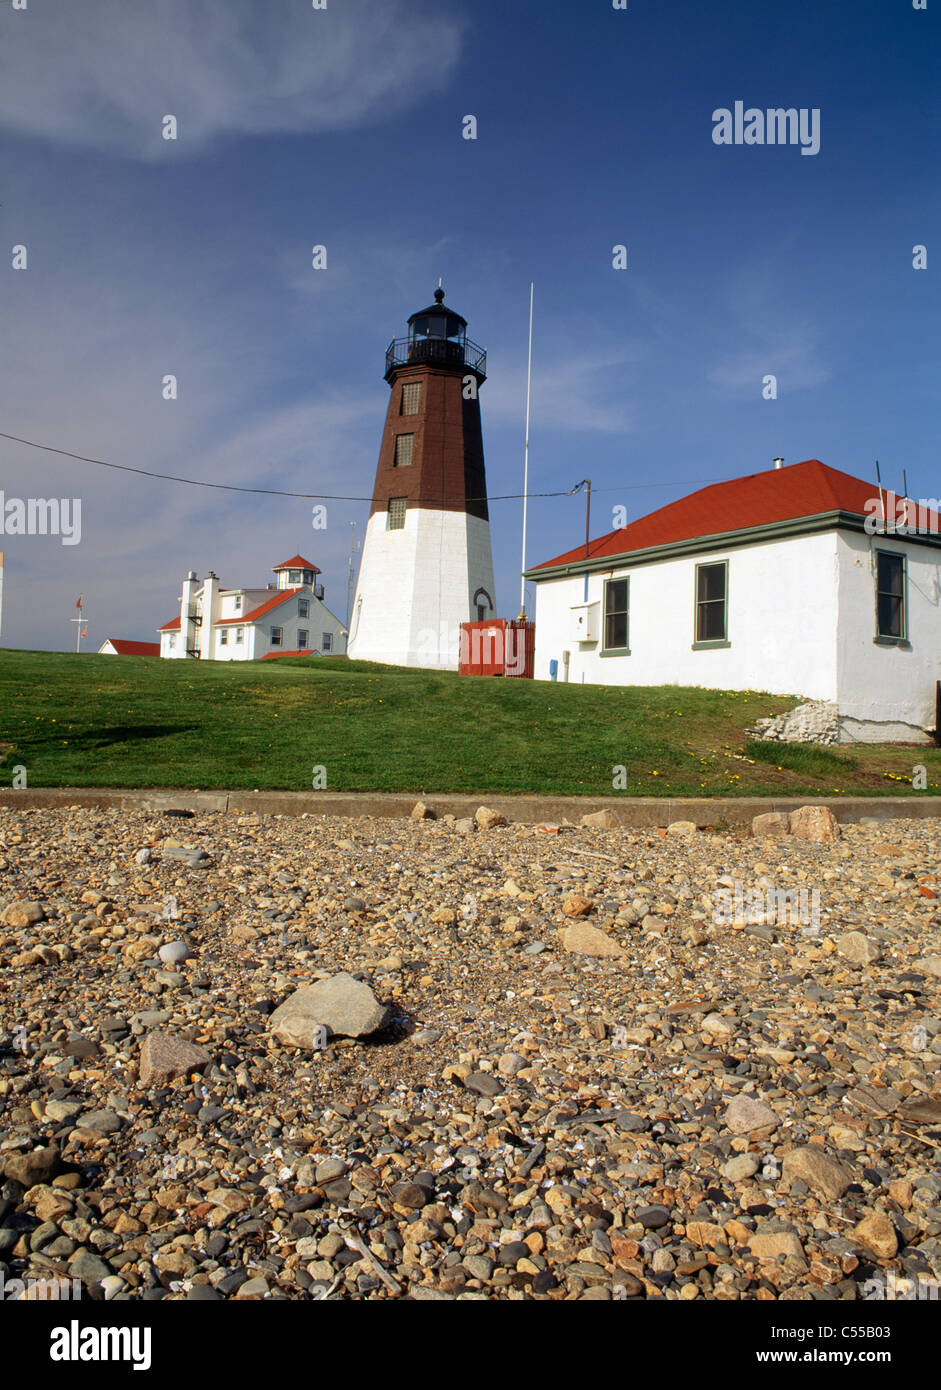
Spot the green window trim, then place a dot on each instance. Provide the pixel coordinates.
(891, 590)
(616, 617)
(707, 604)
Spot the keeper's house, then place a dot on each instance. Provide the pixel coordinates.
(799, 580)
(289, 618)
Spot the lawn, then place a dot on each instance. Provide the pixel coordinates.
(107, 721)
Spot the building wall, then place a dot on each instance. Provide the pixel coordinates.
(782, 622)
(416, 587)
(892, 686)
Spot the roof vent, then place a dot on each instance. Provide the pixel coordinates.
(778, 463)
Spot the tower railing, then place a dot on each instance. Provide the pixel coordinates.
(403, 352)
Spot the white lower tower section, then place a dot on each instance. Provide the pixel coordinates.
(417, 585)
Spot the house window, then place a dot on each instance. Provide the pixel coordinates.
(294, 576)
(395, 518)
(327, 644)
(223, 637)
(411, 395)
(711, 602)
(303, 608)
(302, 635)
(237, 601)
(172, 642)
(308, 576)
(615, 614)
(891, 617)
(239, 636)
(276, 635)
(403, 450)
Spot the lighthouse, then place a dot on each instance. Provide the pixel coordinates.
(427, 564)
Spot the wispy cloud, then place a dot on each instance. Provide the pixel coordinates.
(789, 353)
(104, 75)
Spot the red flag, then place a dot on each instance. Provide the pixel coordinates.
(84, 631)
(78, 603)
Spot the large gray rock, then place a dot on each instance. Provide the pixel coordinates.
(857, 947)
(827, 1176)
(41, 1165)
(746, 1114)
(164, 1057)
(343, 1005)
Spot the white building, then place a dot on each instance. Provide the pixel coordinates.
(288, 618)
(789, 581)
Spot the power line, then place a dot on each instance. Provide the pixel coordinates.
(325, 496)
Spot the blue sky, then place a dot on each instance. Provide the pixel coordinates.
(344, 127)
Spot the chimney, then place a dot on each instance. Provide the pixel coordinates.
(778, 463)
(187, 613)
(210, 611)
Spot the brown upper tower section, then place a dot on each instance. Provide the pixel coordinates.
(432, 450)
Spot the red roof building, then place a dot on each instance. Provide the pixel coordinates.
(121, 646)
(800, 580)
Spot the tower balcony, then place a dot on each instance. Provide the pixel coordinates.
(436, 352)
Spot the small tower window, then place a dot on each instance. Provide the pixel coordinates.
(395, 518)
(411, 396)
(303, 608)
(294, 576)
(237, 601)
(403, 450)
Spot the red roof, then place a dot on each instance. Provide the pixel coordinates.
(172, 626)
(281, 596)
(123, 647)
(297, 562)
(776, 494)
(307, 651)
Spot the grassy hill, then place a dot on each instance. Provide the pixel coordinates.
(109, 721)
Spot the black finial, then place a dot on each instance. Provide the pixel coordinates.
(439, 293)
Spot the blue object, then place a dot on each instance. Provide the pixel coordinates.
(553, 669)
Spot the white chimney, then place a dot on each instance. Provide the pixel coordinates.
(210, 612)
(778, 463)
(187, 613)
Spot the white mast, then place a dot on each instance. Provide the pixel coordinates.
(529, 377)
(80, 620)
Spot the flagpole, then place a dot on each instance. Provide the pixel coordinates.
(529, 377)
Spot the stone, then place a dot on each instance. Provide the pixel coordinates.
(60, 1111)
(716, 1026)
(823, 1174)
(347, 1007)
(744, 1114)
(466, 825)
(600, 820)
(23, 914)
(774, 1244)
(577, 906)
(589, 941)
(38, 1166)
(816, 823)
(770, 825)
(685, 828)
(174, 952)
(143, 856)
(858, 948)
(484, 1083)
(101, 1121)
(878, 1234)
(164, 1057)
(89, 1268)
(487, 819)
(929, 965)
(422, 812)
(741, 1167)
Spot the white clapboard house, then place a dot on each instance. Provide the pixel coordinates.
(288, 618)
(797, 580)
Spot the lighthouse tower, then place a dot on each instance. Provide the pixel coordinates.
(427, 564)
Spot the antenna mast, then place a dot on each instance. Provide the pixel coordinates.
(529, 377)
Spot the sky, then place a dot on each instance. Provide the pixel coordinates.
(343, 126)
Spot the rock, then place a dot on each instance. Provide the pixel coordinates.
(577, 906)
(484, 1083)
(740, 1167)
(773, 1244)
(347, 1007)
(744, 1115)
(39, 1166)
(770, 825)
(61, 1110)
(354, 904)
(601, 820)
(856, 947)
(817, 823)
(466, 825)
(715, 1026)
(143, 856)
(511, 1062)
(487, 819)
(89, 1268)
(101, 1121)
(682, 827)
(422, 812)
(174, 952)
(652, 1218)
(878, 1234)
(929, 965)
(828, 1176)
(23, 914)
(163, 1058)
(589, 941)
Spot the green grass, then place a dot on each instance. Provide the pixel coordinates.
(142, 722)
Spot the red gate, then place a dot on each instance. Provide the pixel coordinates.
(501, 647)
